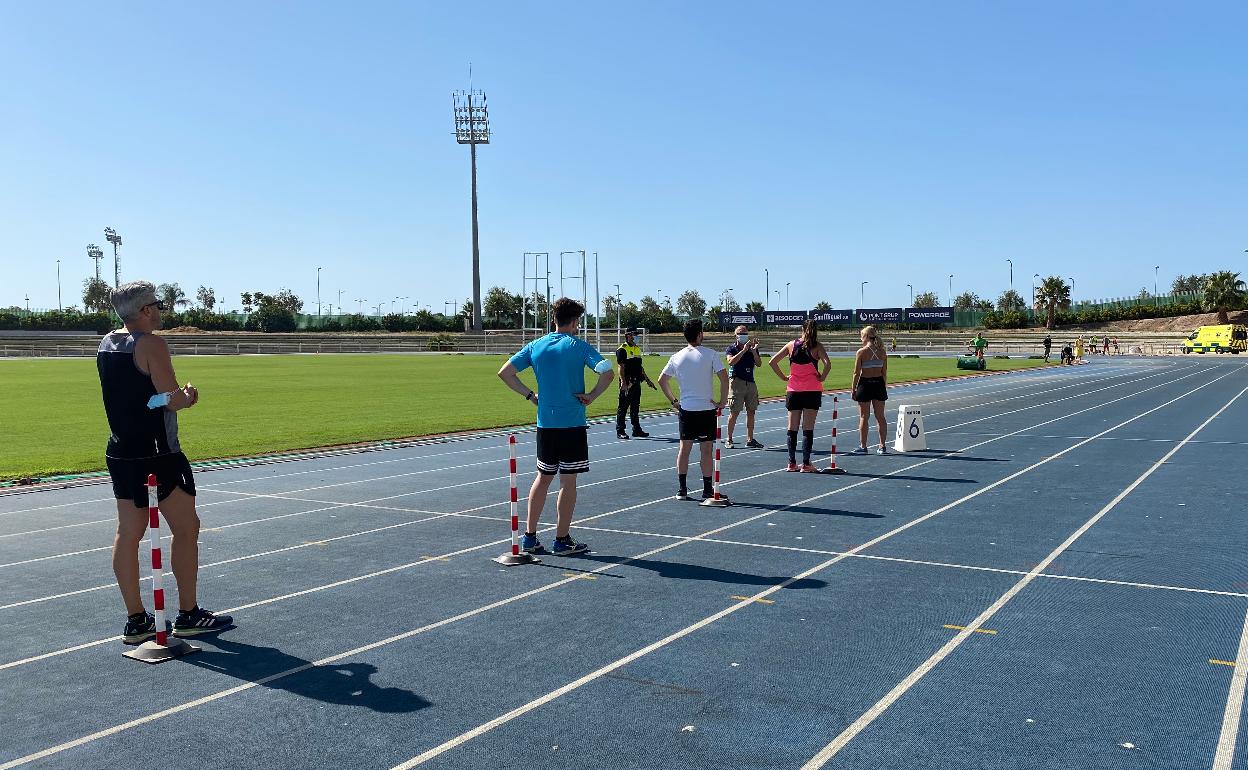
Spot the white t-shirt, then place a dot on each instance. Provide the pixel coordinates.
(694, 370)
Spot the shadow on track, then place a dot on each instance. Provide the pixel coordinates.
(347, 684)
(679, 571)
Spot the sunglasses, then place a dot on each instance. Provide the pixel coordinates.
(158, 305)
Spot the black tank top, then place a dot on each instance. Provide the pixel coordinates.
(137, 432)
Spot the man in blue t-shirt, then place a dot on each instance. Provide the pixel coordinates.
(743, 356)
(559, 361)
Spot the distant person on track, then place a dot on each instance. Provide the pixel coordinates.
(1048, 346)
(978, 344)
(559, 360)
(1068, 354)
(1105, 346)
(694, 368)
(804, 390)
(1094, 348)
(743, 356)
(141, 401)
(870, 389)
(1079, 348)
(632, 374)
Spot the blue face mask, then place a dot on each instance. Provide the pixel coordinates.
(157, 401)
(743, 338)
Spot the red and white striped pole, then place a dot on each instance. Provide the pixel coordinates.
(717, 500)
(515, 555)
(158, 569)
(515, 516)
(836, 402)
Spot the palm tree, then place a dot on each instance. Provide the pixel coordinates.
(1223, 291)
(1051, 294)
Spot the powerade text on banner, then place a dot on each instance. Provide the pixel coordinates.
(731, 320)
(886, 315)
(930, 315)
(832, 316)
(784, 317)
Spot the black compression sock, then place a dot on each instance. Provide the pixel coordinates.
(530, 534)
(137, 616)
(706, 485)
(792, 446)
(684, 480)
(808, 443)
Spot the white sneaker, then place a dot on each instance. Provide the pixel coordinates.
(882, 450)
(728, 444)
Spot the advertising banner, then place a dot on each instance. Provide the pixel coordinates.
(832, 316)
(728, 321)
(886, 315)
(784, 317)
(929, 315)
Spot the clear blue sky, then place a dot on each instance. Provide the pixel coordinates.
(691, 145)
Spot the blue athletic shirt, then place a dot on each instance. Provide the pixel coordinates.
(559, 361)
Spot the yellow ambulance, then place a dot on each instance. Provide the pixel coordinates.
(1226, 338)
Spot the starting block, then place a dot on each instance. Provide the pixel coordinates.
(909, 436)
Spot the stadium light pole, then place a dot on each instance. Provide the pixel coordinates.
(59, 307)
(862, 294)
(777, 296)
(318, 292)
(96, 253)
(1033, 291)
(617, 314)
(28, 302)
(911, 288)
(472, 127)
(112, 237)
(766, 287)
(340, 300)
(951, 290)
(1155, 269)
(1011, 273)
(786, 293)
(1072, 290)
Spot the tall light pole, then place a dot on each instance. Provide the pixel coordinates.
(617, 314)
(472, 127)
(59, 306)
(862, 294)
(112, 237)
(1011, 273)
(911, 288)
(28, 302)
(766, 287)
(777, 296)
(1155, 269)
(1033, 291)
(96, 253)
(318, 292)
(786, 293)
(951, 290)
(597, 307)
(340, 300)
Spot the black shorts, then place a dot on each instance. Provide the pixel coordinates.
(173, 471)
(870, 389)
(797, 400)
(697, 426)
(562, 450)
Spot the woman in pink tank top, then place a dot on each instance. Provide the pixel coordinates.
(808, 366)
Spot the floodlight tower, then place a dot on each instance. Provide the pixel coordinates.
(112, 237)
(472, 127)
(96, 253)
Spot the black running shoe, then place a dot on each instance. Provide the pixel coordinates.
(639, 433)
(682, 494)
(621, 435)
(199, 621)
(139, 629)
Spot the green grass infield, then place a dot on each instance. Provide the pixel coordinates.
(53, 422)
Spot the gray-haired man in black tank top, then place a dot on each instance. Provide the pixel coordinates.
(141, 399)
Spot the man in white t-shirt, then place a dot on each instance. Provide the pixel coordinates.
(694, 368)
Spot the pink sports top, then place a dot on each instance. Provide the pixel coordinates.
(803, 374)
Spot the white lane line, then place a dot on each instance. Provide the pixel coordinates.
(862, 722)
(929, 563)
(151, 717)
(337, 584)
(554, 694)
(965, 391)
(1225, 754)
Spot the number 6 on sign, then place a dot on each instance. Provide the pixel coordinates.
(910, 435)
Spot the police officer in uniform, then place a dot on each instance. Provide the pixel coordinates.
(632, 375)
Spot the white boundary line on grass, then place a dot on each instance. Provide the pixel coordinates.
(567, 688)
(862, 722)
